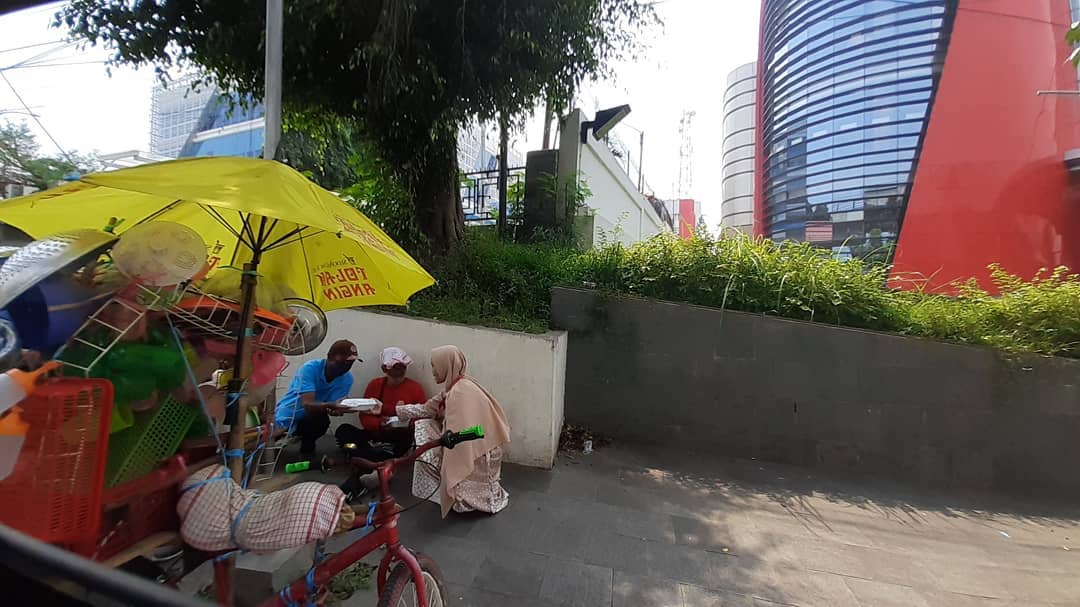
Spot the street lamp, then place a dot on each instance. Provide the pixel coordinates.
(604, 121)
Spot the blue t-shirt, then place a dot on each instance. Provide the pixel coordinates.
(310, 378)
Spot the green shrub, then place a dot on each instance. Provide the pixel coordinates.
(1041, 315)
(790, 280)
(493, 283)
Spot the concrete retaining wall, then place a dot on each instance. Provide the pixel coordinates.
(816, 395)
(525, 372)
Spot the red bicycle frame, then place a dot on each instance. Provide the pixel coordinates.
(384, 533)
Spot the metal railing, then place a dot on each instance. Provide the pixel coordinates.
(661, 208)
(480, 195)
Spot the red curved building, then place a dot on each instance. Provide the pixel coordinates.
(916, 129)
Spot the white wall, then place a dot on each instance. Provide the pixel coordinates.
(737, 203)
(525, 372)
(615, 200)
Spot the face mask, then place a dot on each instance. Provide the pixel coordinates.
(337, 369)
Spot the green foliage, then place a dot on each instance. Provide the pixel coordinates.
(515, 207)
(22, 163)
(323, 146)
(1038, 316)
(412, 71)
(701, 228)
(571, 191)
(347, 583)
(493, 283)
(378, 193)
(791, 280)
(505, 285)
(1072, 37)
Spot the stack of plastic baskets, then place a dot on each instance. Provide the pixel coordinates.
(155, 435)
(140, 508)
(55, 491)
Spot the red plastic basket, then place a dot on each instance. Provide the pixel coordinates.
(54, 492)
(140, 508)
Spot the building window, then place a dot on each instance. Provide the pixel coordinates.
(863, 79)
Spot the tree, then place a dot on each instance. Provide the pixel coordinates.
(1072, 37)
(21, 161)
(701, 230)
(410, 71)
(324, 147)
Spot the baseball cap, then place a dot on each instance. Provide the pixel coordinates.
(346, 348)
(393, 355)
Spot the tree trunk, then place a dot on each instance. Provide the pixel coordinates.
(547, 124)
(437, 194)
(504, 171)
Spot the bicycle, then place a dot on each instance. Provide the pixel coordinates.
(400, 568)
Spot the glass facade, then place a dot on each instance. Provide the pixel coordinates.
(227, 128)
(847, 88)
(175, 112)
(186, 122)
(247, 143)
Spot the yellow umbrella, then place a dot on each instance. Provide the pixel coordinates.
(301, 236)
(258, 214)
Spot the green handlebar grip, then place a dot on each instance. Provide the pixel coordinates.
(297, 467)
(476, 431)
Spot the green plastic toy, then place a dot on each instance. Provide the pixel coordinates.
(475, 431)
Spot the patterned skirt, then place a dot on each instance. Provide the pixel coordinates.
(481, 491)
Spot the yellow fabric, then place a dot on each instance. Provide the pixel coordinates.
(342, 260)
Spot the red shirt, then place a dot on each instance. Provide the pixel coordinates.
(409, 392)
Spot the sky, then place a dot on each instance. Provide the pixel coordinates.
(86, 107)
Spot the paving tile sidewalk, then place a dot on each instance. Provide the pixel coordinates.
(630, 527)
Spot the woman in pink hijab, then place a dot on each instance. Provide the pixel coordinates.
(469, 474)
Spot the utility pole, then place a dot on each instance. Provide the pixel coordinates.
(272, 100)
(640, 154)
(271, 137)
(504, 170)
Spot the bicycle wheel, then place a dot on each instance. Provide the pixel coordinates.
(400, 590)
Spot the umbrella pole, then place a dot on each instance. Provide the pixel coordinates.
(241, 370)
(242, 366)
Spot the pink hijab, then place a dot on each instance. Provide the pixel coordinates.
(467, 404)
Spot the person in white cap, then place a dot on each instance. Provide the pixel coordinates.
(392, 389)
(377, 440)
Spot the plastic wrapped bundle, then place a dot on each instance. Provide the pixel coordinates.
(217, 514)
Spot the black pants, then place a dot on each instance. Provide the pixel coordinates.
(310, 428)
(400, 438)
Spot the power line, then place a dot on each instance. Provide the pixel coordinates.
(36, 119)
(26, 46)
(36, 59)
(63, 64)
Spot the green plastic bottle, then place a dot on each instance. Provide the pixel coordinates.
(295, 467)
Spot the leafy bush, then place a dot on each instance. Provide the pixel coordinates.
(494, 283)
(790, 280)
(379, 194)
(1041, 315)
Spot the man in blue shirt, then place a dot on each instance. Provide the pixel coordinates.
(314, 395)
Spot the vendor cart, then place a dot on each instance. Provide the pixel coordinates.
(176, 265)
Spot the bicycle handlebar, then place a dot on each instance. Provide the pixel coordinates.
(449, 440)
(452, 439)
